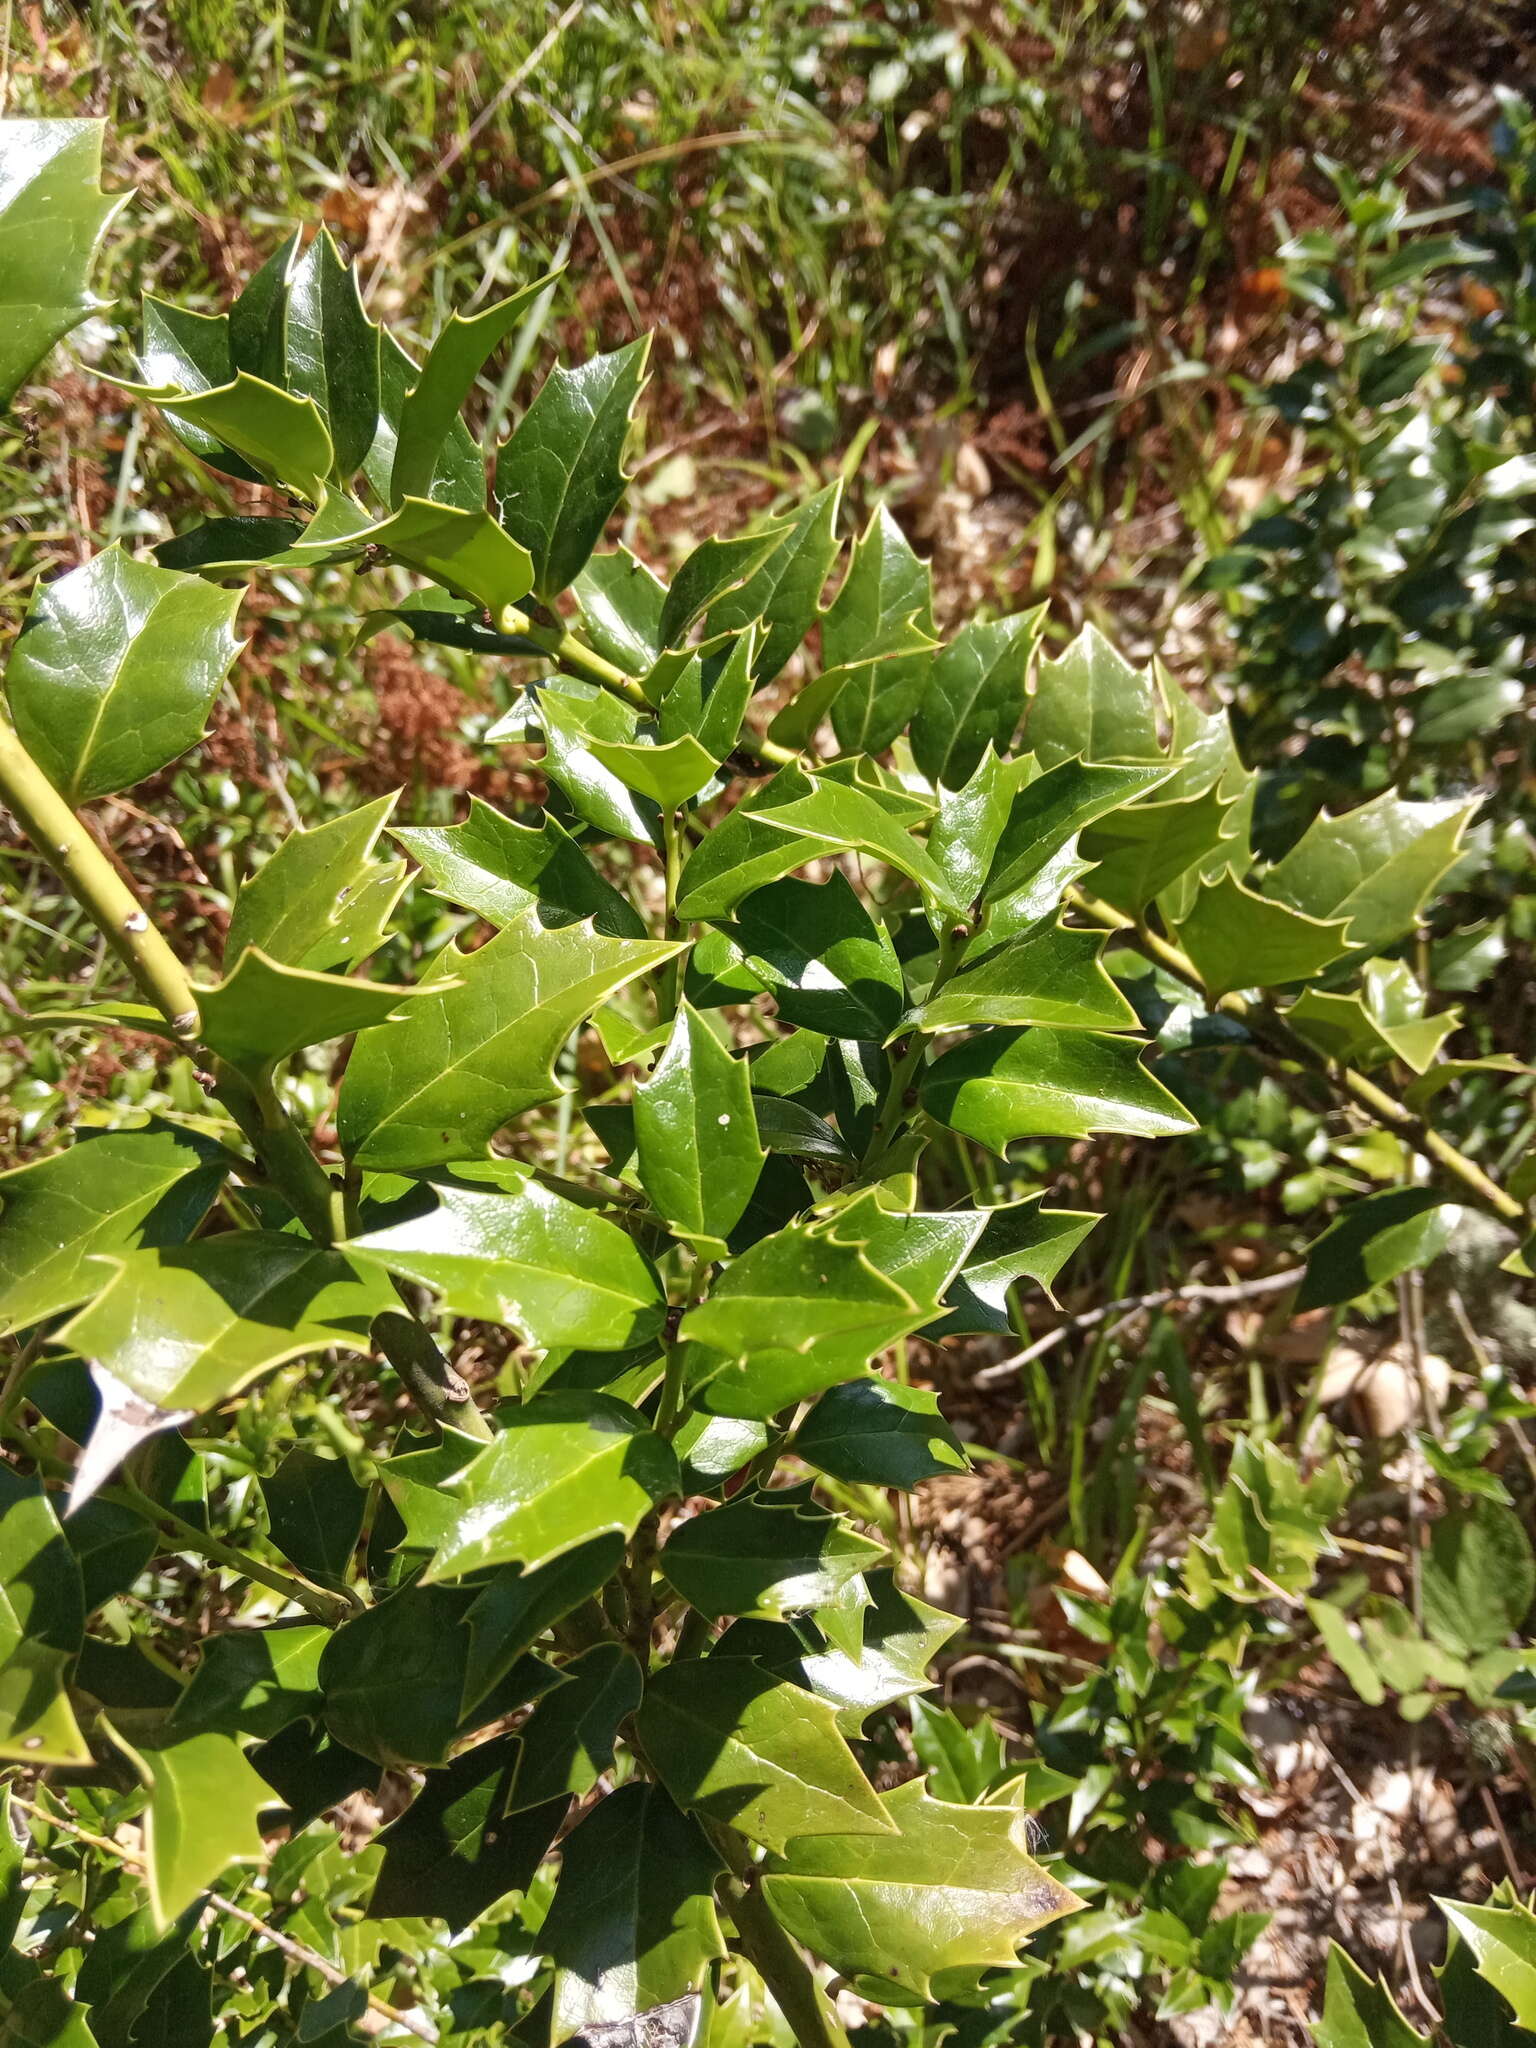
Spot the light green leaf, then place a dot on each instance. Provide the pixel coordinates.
(785, 591)
(1373, 867)
(567, 1743)
(698, 1152)
(709, 692)
(465, 1060)
(1374, 1240)
(322, 900)
(495, 1243)
(875, 1433)
(668, 772)
(1046, 816)
(559, 477)
(1359, 2011)
(466, 552)
(711, 572)
(853, 820)
(53, 214)
(730, 1740)
(115, 670)
(264, 1012)
(827, 964)
(746, 850)
(948, 1887)
(1052, 975)
(572, 715)
(974, 697)
(499, 870)
(765, 1553)
(458, 470)
(204, 1799)
(1384, 1020)
(968, 829)
(429, 411)
(1503, 1938)
(42, 1625)
(633, 1924)
(1021, 1241)
(1002, 1085)
(876, 641)
(621, 602)
(108, 1193)
(1479, 1578)
(186, 1326)
(332, 350)
(921, 1251)
(565, 1468)
(1240, 940)
(281, 436)
(1144, 849)
(1089, 703)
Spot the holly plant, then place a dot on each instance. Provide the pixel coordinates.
(812, 932)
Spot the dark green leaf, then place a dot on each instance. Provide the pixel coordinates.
(621, 601)
(874, 1433)
(315, 1512)
(322, 900)
(566, 1745)
(456, 1850)
(1374, 1240)
(282, 437)
(264, 1012)
(1359, 2011)
(876, 639)
(713, 571)
(258, 319)
(112, 1545)
(430, 410)
(1019, 1241)
(252, 1681)
(332, 350)
(1503, 1938)
(1002, 1085)
(696, 1135)
(1046, 815)
(499, 870)
(458, 472)
(785, 592)
(42, 1622)
(1090, 704)
(1239, 940)
(828, 965)
(974, 697)
(510, 1613)
(1479, 1578)
(1053, 974)
(764, 1553)
(1374, 866)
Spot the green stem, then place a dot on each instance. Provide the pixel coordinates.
(770, 1951)
(434, 1386)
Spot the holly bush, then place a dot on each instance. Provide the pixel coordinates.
(817, 923)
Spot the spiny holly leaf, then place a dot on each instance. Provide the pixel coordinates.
(1373, 867)
(566, 1745)
(323, 899)
(258, 319)
(185, 351)
(1053, 974)
(711, 572)
(1148, 850)
(735, 1743)
(1479, 1578)
(458, 469)
(1002, 1085)
(706, 697)
(948, 1887)
(1359, 2011)
(746, 850)
(465, 551)
(902, 1636)
(496, 1243)
(53, 214)
(828, 965)
(668, 772)
(853, 820)
(115, 669)
(110, 1192)
(465, 1060)
(252, 1681)
(429, 411)
(1503, 1939)
(572, 716)
(204, 1799)
(514, 1609)
(874, 1433)
(42, 1624)
(1047, 814)
(185, 1326)
(765, 1553)
(975, 697)
(499, 870)
(1089, 703)
(621, 602)
(332, 350)
(559, 477)
(697, 1146)
(795, 1313)
(282, 437)
(416, 1480)
(968, 830)
(876, 640)
(1384, 1020)
(565, 1468)
(633, 1923)
(112, 1545)
(1020, 1241)
(1374, 1240)
(264, 1012)
(315, 1512)
(456, 1850)
(1240, 940)
(785, 592)
(920, 1250)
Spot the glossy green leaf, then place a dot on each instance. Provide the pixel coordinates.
(961, 1759)
(708, 697)
(282, 437)
(458, 469)
(184, 351)
(668, 772)
(315, 1511)
(633, 1924)
(823, 958)
(416, 1480)
(1241, 940)
(264, 1012)
(109, 1193)
(1020, 1241)
(740, 1746)
(115, 670)
(1375, 1239)
(876, 639)
(565, 1468)
(495, 1243)
(567, 1743)
(745, 851)
(875, 1433)
(621, 602)
(430, 409)
(764, 1553)
(252, 1681)
(1384, 1020)
(920, 1251)
(1090, 703)
(112, 1546)
(53, 214)
(499, 870)
(948, 1887)
(902, 1636)
(42, 1623)
(258, 318)
(1374, 866)
(1002, 1085)
(1142, 850)
(713, 571)
(41, 2014)
(1052, 975)
(785, 591)
(203, 1802)
(968, 830)
(1046, 815)
(1503, 1939)
(323, 899)
(456, 1851)
(854, 820)
(465, 1060)
(465, 551)
(571, 716)
(332, 350)
(560, 476)
(697, 1147)
(1359, 2011)
(186, 1326)
(974, 697)
(795, 1313)
(508, 1615)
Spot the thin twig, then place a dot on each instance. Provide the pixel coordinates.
(1213, 1295)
